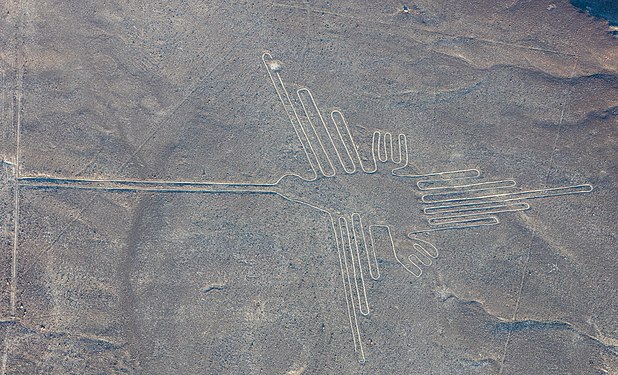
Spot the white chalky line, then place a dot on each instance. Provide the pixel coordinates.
(454, 198)
(458, 212)
(316, 111)
(506, 197)
(338, 124)
(372, 259)
(14, 254)
(472, 207)
(460, 224)
(272, 66)
(464, 215)
(382, 150)
(346, 275)
(423, 184)
(357, 275)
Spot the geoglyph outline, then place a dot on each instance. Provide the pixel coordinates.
(452, 199)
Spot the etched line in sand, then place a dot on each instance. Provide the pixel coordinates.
(587, 188)
(2, 102)
(273, 67)
(449, 186)
(468, 207)
(340, 122)
(461, 214)
(354, 261)
(316, 136)
(505, 197)
(460, 224)
(17, 119)
(359, 233)
(313, 115)
(455, 199)
(349, 294)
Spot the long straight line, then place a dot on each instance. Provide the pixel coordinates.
(131, 185)
(508, 197)
(129, 189)
(18, 95)
(5, 354)
(50, 180)
(422, 29)
(157, 126)
(15, 240)
(532, 235)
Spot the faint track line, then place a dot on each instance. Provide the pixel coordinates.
(272, 68)
(458, 203)
(64, 229)
(162, 121)
(156, 129)
(506, 197)
(469, 204)
(17, 109)
(5, 353)
(17, 113)
(532, 235)
(422, 29)
(2, 102)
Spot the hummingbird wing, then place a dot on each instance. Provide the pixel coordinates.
(470, 202)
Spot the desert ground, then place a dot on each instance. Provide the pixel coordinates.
(308, 187)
